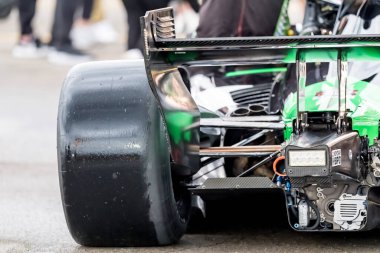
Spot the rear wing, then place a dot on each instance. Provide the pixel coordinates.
(166, 59)
(159, 37)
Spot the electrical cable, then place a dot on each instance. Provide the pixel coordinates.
(318, 220)
(269, 158)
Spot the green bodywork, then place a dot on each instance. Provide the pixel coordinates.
(363, 98)
(364, 105)
(177, 122)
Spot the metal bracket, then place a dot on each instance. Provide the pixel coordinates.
(301, 90)
(342, 90)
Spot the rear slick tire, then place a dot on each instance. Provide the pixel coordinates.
(114, 162)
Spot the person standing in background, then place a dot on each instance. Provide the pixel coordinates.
(92, 28)
(60, 50)
(135, 10)
(63, 51)
(231, 18)
(28, 45)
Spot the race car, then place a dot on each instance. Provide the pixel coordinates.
(137, 153)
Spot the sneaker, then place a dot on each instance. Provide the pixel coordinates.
(68, 56)
(104, 32)
(84, 36)
(30, 50)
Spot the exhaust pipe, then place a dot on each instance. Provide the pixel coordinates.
(252, 110)
(240, 112)
(256, 110)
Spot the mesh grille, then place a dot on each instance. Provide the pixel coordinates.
(348, 210)
(259, 94)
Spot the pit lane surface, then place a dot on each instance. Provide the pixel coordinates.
(31, 215)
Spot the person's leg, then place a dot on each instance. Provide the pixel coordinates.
(63, 21)
(65, 53)
(87, 9)
(27, 10)
(134, 11)
(28, 46)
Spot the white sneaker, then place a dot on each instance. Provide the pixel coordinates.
(83, 37)
(104, 32)
(68, 56)
(86, 36)
(30, 50)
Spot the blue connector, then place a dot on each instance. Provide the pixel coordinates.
(279, 181)
(288, 185)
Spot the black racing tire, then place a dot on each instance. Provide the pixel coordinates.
(114, 161)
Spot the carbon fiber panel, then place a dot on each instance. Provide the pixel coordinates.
(231, 183)
(324, 182)
(301, 172)
(266, 41)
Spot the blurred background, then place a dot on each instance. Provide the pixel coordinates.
(30, 88)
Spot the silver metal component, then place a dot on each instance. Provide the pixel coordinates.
(342, 138)
(264, 118)
(211, 131)
(222, 152)
(164, 24)
(320, 193)
(301, 89)
(350, 211)
(211, 170)
(146, 42)
(323, 217)
(303, 214)
(234, 151)
(234, 154)
(198, 203)
(216, 122)
(343, 86)
(252, 138)
(342, 92)
(376, 166)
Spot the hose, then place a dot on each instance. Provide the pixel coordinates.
(280, 158)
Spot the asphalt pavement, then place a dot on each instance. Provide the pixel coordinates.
(31, 215)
